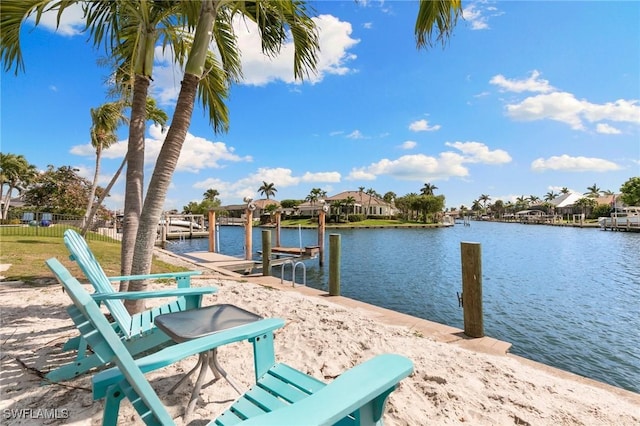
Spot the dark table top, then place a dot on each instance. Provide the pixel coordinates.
(188, 325)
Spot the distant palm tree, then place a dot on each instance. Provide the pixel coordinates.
(267, 189)
(105, 120)
(349, 202)
(564, 190)
(211, 194)
(484, 199)
(534, 199)
(593, 191)
(428, 189)
(550, 196)
(15, 173)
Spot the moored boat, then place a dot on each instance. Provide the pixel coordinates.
(626, 217)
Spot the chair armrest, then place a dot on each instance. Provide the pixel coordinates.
(350, 391)
(136, 295)
(172, 354)
(156, 276)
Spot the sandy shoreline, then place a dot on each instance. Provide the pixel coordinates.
(450, 385)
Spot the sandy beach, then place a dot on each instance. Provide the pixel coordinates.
(450, 384)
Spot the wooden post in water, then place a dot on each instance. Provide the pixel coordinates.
(321, 222)
(266, 252)
(212, 231)
(248, 232)
(334, 265)
(470, 254)
(278, 227)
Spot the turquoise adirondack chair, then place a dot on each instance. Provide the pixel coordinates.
(281, 396)
(137, 331)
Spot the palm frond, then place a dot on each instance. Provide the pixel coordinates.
(436, 14)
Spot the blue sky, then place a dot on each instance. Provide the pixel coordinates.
(526, 98)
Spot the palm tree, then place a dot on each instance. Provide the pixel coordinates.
(371, 193)
(593, 191)
(349, 202)
(211, 194)
(564, 190)
(134, 28)
(484, 199)
(157, 116)
(428, 189)
(105, 120)
(16, 174)
(267, 189)
(550, 196)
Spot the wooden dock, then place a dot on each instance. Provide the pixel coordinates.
(222, 262)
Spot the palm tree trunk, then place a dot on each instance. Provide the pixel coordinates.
(135, 176)
(88, 216)
(105, 193)
(170, 153)
(159, 185)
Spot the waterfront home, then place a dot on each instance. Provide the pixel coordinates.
(362, 203)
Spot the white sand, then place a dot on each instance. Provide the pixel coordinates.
(450, 385)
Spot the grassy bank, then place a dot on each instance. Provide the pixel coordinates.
(27, 253)
(367, 223)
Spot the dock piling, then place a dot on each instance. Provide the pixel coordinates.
(266, 252)
(334, 264)
(470, 254)
(212, 230)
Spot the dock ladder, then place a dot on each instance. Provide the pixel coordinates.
(294, 265)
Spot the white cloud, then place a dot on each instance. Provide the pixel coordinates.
(424, 167)
(564, 107)
(607, 129)
(423, 126)
(71, 21)
(478, 14)
(573, 164)
(531, 84)
(477, 152)
(356, 134)
(409, 145)
(321, 177)
(335, 40)
(197, 153)
(281, 178)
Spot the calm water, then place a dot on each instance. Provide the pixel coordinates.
(566, 297)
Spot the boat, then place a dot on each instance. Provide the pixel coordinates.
(625, 217)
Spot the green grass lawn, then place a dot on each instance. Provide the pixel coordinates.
(27, 254)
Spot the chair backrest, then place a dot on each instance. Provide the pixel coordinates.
(83, 256)
(101, 336)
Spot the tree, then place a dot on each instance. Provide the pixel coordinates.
(586, 204)
(15, 174)
(267, 189)
(593, 191)
(133, 28)
(484, 199)
(564, 190)
(428, 189)
(631, 191)
(550, 196)
(349, 203)
(157, 116)
(105, 120)
(371, 193)
(211, 194)
(60, 191)
(389, 197)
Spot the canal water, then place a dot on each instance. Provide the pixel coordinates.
(567, 297)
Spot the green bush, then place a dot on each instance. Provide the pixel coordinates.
(356, 217)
